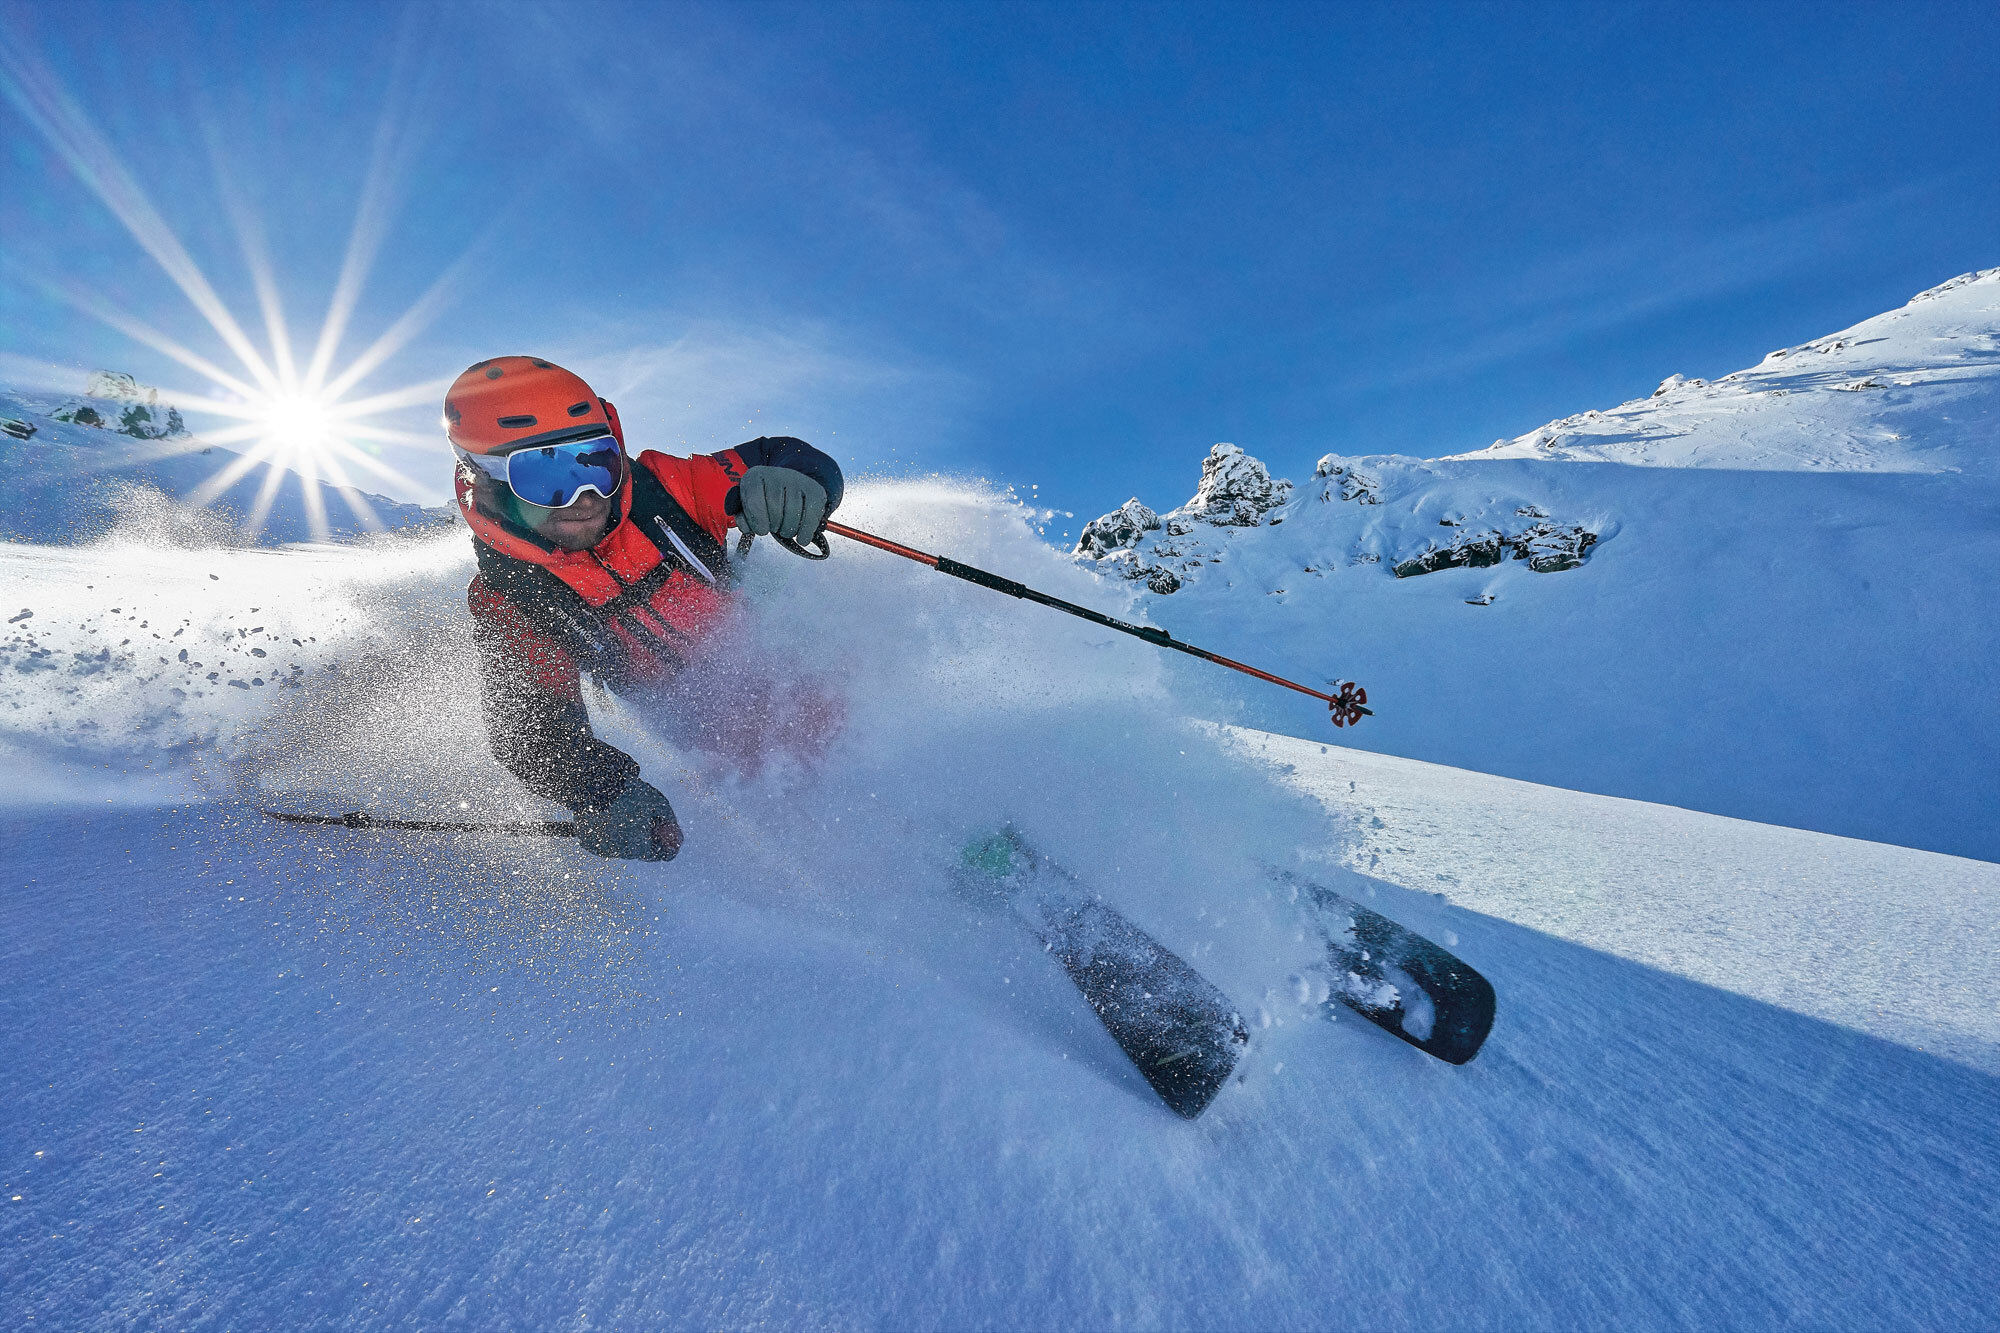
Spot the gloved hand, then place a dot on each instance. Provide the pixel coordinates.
(638, 826)
(782, 502)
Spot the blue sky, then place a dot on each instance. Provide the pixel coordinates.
(1064, 245)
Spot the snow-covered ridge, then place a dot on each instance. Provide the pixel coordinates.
(1911, 390)
(78, 467)
(1403, 516)
(122, 405)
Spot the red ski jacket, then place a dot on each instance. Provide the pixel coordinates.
(630, 610)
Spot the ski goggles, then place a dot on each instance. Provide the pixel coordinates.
(555, 476)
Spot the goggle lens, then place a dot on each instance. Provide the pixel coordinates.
(555, 476)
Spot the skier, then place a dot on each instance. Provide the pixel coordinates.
(589, 561)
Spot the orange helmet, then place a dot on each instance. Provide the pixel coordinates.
(498, 405)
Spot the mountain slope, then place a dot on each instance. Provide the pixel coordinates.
(1764, 597)
(263, 1075)
(1913, 390)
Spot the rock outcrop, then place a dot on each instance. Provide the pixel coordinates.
(1118, 530)
(1547, 547)
(1347, 482)
(1400, 507)
(1236, 490)
(120, 387)
(141, 416)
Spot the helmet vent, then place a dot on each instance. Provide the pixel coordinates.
(493, 372)
(540, 364)
(516, 423)
(579, 409)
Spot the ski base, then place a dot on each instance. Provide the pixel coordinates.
(1178, 1029)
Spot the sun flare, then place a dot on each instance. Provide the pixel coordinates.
(289, 415)
(297, 423)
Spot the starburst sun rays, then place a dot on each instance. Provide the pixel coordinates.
(288, 417)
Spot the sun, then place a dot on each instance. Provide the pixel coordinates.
(298, 423)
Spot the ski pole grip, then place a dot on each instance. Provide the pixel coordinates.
(973, 574)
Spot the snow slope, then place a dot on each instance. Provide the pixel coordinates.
(261, 1075)
(1864, 935)
(1766, 597)
(69, 483)
(1907, 391)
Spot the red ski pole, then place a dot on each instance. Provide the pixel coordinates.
(1348, 705)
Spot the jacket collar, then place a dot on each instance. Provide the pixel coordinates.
(624, 556)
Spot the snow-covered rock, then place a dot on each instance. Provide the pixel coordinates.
(1547, 547)
(1200, 538)
(117, 402)
(1354, 484)
(1118, 530)
(121, 387)
(1236, 490)
(136, 419)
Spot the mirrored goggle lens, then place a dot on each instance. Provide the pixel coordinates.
(553, 476)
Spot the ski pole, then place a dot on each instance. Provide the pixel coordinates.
(552, 828)
(1347, 706)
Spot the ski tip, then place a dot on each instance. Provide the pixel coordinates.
(995, 855)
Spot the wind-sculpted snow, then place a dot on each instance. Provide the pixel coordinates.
(270, 1075)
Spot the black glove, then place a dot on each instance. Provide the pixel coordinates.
(782, 502)
(638, 826)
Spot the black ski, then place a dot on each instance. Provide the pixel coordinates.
(357, 819)
(1397, 979)
(1181, 1032)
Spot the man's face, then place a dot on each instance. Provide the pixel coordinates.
(575, 527)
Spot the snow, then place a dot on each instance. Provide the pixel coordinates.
(1766, 597)
(267, 1075)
